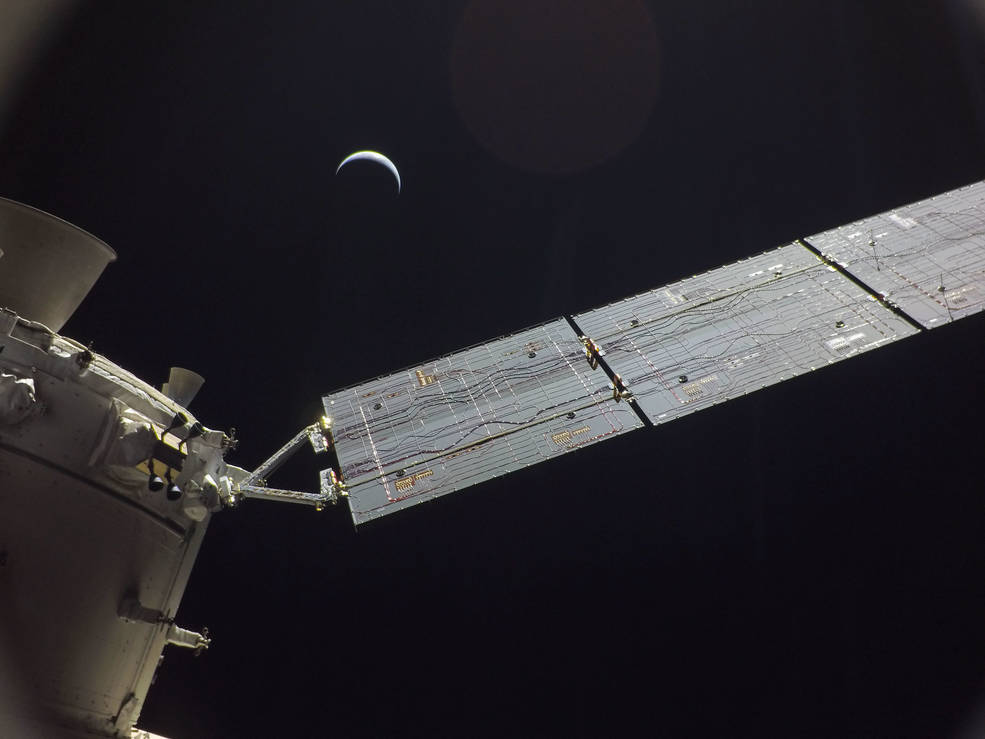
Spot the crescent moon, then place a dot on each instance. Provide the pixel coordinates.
(372, 156)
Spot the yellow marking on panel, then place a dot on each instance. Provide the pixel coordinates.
(462, 451)
(696, 389)
(406, 483)
(172, 441)
(561, 438)
(160, 469)
(423, 379)
(156, 466)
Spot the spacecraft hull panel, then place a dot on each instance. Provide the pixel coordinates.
(85, 544)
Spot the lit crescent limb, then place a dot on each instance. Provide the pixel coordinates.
(372, 156)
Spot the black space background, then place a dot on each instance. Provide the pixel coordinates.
(805, 561)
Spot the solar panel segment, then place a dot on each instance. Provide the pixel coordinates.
(736, 329)
(927, 257)
(479, 413)
(470, 416)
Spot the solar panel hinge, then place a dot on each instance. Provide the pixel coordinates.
(593, 352)
(620, 391)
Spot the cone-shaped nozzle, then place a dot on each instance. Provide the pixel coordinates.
(183, 385)
(47, 265)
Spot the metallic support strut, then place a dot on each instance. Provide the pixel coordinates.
(254, 485)
(273, 463)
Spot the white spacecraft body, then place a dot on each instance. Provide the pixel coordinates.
(93, 561)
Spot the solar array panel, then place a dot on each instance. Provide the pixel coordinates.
(482, 412)
(735, 329)
(928, 258)
(473, 415)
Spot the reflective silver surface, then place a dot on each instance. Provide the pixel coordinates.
(736, 329)
(927, 257)
(485, 411)
(465, 418)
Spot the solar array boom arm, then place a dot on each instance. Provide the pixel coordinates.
(254, 485)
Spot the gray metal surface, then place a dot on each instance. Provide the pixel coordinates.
(735, 329)
(908, 254)
(470, 416)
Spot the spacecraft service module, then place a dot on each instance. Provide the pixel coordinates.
(125, 478)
